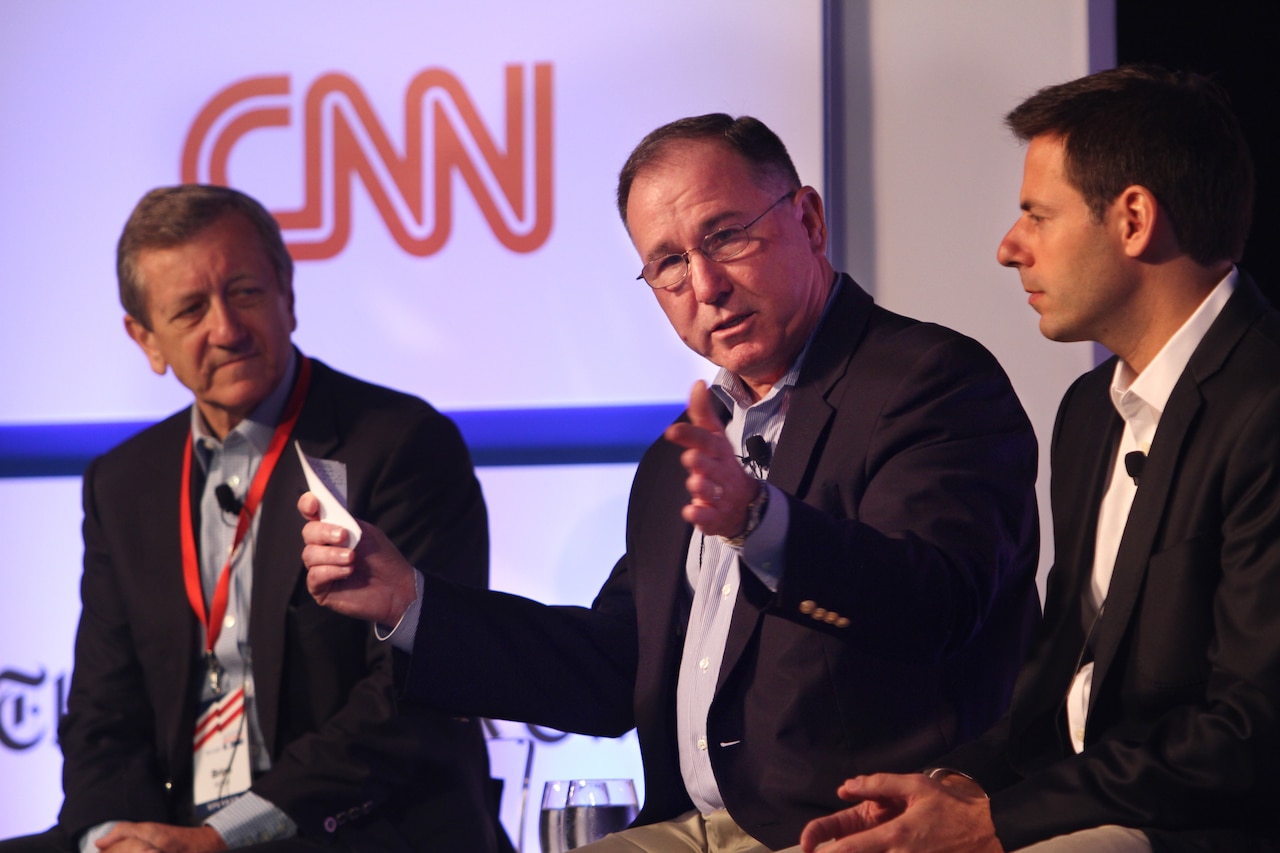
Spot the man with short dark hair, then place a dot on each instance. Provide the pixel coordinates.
(830, 560)
(213, 703)
(1148, 714)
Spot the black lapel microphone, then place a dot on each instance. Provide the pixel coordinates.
(759, 453)
(1134, 460)
(227, 499)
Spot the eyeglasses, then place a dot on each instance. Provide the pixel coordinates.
(666, 272)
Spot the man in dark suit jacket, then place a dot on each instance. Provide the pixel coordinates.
(331, 759)
(1148, 715)
(862, 606)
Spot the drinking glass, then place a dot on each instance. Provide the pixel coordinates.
(577, 812)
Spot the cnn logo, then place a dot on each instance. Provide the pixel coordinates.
(508, 172)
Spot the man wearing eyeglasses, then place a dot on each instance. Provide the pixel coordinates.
(830, 559)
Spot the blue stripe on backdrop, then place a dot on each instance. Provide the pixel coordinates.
(566, 436)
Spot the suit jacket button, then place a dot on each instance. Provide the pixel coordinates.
(807, 607)
(330, 824)
(843, 622)
(832, 617)
(819, 613)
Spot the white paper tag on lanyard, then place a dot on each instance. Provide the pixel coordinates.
(221, 753)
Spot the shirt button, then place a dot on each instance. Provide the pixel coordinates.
(233, 481)
(725, 590)
(702, 744)
(229, 622)
(704, 663)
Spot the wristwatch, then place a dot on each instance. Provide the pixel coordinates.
(755, 513)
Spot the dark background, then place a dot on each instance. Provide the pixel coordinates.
(1237, 44)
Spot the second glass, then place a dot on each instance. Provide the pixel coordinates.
(577, 812)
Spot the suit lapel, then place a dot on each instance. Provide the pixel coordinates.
(808, 413)
(158, 513)
(659, 538)
(808, 418)
(1140, 530)
(1088, 451)
(1147, 514)
(277, 552)
(1087, 429)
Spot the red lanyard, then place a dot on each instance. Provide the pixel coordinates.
(212, 621)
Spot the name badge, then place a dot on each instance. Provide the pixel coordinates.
(220, 753)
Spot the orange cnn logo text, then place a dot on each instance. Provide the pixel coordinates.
(411, 183)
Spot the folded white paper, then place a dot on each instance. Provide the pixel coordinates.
(327, 480)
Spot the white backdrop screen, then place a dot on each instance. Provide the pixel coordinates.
(444, 173)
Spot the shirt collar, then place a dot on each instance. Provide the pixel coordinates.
(257, 428)
(1141, 399)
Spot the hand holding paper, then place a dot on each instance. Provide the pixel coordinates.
(352, 567)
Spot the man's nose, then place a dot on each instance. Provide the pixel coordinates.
(226, 326)
(1010, 252)
(708, 278)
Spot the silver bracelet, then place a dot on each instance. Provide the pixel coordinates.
(937, 774)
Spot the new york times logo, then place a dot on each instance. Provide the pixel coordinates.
(30, 706)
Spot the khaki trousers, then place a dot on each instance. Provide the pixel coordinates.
(1099, 839)
(717, 833)
(689, 833)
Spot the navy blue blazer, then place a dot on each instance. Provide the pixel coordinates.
(347, 764)
(1184, 718)
(909, 468)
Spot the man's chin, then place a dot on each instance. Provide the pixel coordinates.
(737, 357)
(237, 399)
(1061, 335)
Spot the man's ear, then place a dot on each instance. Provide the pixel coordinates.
(287, 289)
(1141, 221)
(146, 340)
(813, 218)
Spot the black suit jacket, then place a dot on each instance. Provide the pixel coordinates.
(345, 762)
(909, 466)
(1183, 726)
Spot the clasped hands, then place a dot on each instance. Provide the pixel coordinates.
(906, 813)
(129, 837)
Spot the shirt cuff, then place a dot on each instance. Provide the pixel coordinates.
(765, 550)
(405, 631)
(92, 834)
(250, 819)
